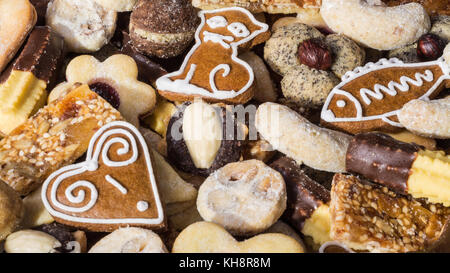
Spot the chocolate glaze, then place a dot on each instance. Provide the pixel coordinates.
(149, 71)
(304, 195)
(382, 159)
(42, 55)
(41, 10)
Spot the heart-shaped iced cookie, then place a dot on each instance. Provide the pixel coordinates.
(202, 237)
(114, 187)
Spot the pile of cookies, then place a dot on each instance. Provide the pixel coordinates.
(224, 126)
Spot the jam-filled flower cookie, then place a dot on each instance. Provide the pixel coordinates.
(115, 80)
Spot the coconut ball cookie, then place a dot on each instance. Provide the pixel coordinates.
(244, 197)
(308, 87)
(163, 28)
(85, 25)
(347, 54)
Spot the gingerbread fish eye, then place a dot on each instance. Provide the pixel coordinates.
(238, 29)
(217, 21)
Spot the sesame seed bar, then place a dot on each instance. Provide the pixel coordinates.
(373, 218)
(55, 136)
(255, 6)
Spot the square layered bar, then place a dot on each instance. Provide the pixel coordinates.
(372, 218)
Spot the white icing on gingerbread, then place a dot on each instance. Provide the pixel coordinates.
(91, 164)
(217, 21)
(183, 86)
(392, 87)
(328, 115)
(142, 206)
(116, 184)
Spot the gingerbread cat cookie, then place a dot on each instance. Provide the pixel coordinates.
(212, 70)
(370, 97)
(114, 187)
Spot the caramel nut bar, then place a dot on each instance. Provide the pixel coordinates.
(403, 167)
(255, 6)
(55, 136)
(373, 218)
(307, 203)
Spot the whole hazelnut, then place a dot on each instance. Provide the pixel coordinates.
(315, 54)
(430, 47)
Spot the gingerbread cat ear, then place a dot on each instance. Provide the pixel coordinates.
(115, 187)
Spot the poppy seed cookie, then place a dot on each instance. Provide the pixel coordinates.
(346, 53)
(308, 87)
(163, 28)
(441, 27)
(280, 51)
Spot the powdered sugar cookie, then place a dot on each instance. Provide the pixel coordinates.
(85, 25)
(244, 197)
(117, 5)
(212, 70)
(130, 240)
(390, 27)
(114, 187)
(370, 97)
(427, 118)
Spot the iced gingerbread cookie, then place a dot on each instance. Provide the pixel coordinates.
(244, 197)
(370, 97)
(206, 237)
(212, 69)
(17, 20)
(115, 80)
(85, 25)
(273, 6)
(114, 187)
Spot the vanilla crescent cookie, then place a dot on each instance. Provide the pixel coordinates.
(130, 240)
(427, 118)
(375, 25)
(293, 135)
(244, 197)
(85, 25)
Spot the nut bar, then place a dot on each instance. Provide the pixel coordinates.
(307, 203)
(55, 136)
(402, 167)
(373, 218)
(23, 85)
(255, 6)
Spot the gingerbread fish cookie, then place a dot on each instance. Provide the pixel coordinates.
(115, 187)
(370, 97)
(212, 70)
